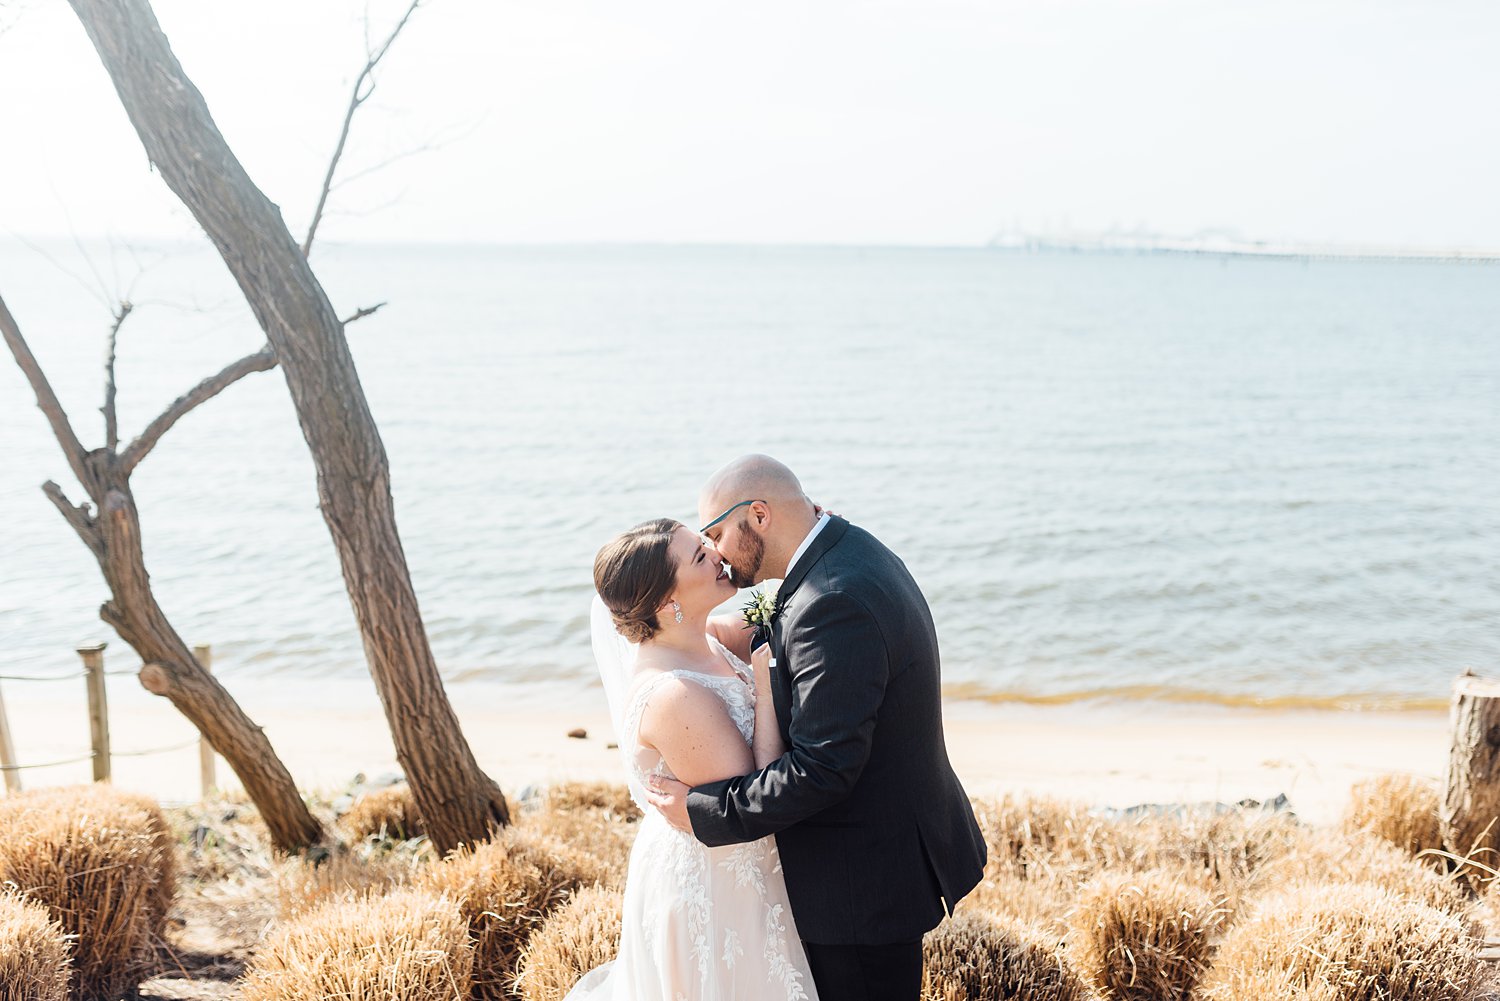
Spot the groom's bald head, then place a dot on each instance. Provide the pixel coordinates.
(755, 511)
(753, 476)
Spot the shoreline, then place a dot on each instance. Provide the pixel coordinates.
(1110, 755)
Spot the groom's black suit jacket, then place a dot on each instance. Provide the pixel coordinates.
(874, 831)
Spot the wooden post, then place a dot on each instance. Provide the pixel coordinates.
(93, 666)
(1470, 811)
(204, 656)
(8, 753)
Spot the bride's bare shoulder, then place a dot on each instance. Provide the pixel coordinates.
(677, 701)
(674, 693)
(690, 727)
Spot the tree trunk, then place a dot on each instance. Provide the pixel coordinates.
(1470, 813)
(114, 537)
(170, 670)
(457, 801)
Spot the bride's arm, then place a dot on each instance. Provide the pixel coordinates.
(768, 745)
(690, 728)
(731, 631)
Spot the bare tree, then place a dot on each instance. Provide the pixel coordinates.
(111, 528)
(457, 801)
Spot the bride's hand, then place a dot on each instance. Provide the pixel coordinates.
(767, 743)
(670, 799)
(760, 660)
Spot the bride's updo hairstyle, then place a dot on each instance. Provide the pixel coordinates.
(633, 573)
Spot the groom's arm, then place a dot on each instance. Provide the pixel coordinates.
(839, 671)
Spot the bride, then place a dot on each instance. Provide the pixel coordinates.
(707, 924)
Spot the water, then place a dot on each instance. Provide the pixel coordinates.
(1189, 478)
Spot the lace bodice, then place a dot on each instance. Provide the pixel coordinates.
(737, 692)
(700, 923)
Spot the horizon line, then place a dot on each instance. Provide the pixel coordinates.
(1107, 243)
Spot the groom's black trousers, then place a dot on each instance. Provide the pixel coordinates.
(866, 972)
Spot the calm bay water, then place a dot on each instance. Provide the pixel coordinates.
(1189, 478)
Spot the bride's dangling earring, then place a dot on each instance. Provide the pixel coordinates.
(677, 612)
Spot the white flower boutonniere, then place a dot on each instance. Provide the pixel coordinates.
(760, 610)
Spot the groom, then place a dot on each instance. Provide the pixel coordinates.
(876, 836)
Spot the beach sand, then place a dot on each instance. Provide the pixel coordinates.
(1115, 755)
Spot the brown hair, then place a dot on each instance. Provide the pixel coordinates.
(633, 573)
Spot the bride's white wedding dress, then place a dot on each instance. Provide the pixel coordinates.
(701, 924)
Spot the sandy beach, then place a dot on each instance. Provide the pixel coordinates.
(1115, 755)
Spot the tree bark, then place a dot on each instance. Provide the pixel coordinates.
(169, 669)
(114, 537)
(457, 801)
(1470, 812)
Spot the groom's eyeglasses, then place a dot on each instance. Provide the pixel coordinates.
(705, 528)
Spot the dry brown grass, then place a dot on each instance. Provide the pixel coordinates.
(221, 839)
(1031, 834)
(166, 839)
(1234, 849)
(1278, 985)
(1333, 856)
(1042, 850)
(348, 872)
(972, 957)
(33, 952)
(94, 859)
(1145, 936)
(1044, 901)
(1347, 942)
(76, 798)
(592, 832)
(506, 888)
(611, 799)
(386, 813)
(1402, 809)
(579, 936)
(403, 946)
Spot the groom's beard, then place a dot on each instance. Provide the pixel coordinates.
(751, 555)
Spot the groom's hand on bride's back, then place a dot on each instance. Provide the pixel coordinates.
(670, 799)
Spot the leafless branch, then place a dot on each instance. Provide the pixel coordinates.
(362, 312)
(111, 418)
(364, 86)
(95, 291)
(46, 399)
(79, 517)
(375, 168)
(375, 209)
(262, 361)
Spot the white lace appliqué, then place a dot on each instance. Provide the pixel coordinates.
(721, 902)
(779, 966)
(748, 864)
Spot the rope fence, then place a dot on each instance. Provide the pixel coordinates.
(100, 753)
(48, 677)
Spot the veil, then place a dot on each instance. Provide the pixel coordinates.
(615, 656)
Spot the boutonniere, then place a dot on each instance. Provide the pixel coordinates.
(760, 610)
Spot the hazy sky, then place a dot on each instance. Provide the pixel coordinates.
(879, 121)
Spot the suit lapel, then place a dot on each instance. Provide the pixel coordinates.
(781, 685)
(781, 677)
(826, 540)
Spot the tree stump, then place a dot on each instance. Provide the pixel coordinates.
(1470, 811)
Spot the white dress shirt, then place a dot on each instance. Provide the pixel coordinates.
(807, 542)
